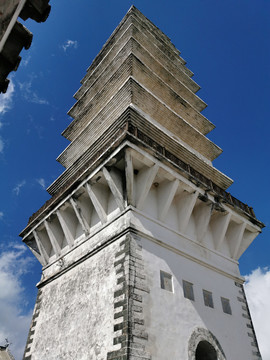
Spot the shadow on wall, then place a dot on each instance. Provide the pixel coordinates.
(196, 312)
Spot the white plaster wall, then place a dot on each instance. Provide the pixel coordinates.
(76, 317)
(170, 318)
(184, 243)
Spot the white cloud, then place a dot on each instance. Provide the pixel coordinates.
(29, 94)
(14, 323)
(41, 182)
(257, 289)
(1, 215)
(70, 44)
(18, 187)
(6, 99)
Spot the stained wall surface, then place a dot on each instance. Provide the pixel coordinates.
(76, 311)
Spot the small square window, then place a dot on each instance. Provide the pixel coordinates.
(188, 290)
(226, 306)
(208, 299)
(166, 281)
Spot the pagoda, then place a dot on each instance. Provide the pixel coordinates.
(140, 240)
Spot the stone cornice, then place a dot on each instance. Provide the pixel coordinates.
(129, 177)
(152, 146)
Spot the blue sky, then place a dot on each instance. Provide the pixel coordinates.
(225, 44)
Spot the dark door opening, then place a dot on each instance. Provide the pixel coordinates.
(205, 351)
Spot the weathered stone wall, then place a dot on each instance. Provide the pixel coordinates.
(76, 315)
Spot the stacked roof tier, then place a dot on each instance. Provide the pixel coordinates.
(139, 77)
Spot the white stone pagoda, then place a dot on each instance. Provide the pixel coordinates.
(140, 240)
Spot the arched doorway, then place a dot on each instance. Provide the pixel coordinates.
(203, 345)
(205, 351)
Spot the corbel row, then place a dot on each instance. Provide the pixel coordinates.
(76, 216)
(153, 188)
(216, 225)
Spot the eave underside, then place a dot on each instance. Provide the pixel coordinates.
(128, 133)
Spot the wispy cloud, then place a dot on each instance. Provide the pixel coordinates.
(70, 44)
(257, 289)
(14, 323)
(42, 183)
(1, 215)
(18, 187)
(29, 94)
(25, 61)
(6, 99)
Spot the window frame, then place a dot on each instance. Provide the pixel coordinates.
(166, 285)
(208, 299)
(188, 290)
(226, 305)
